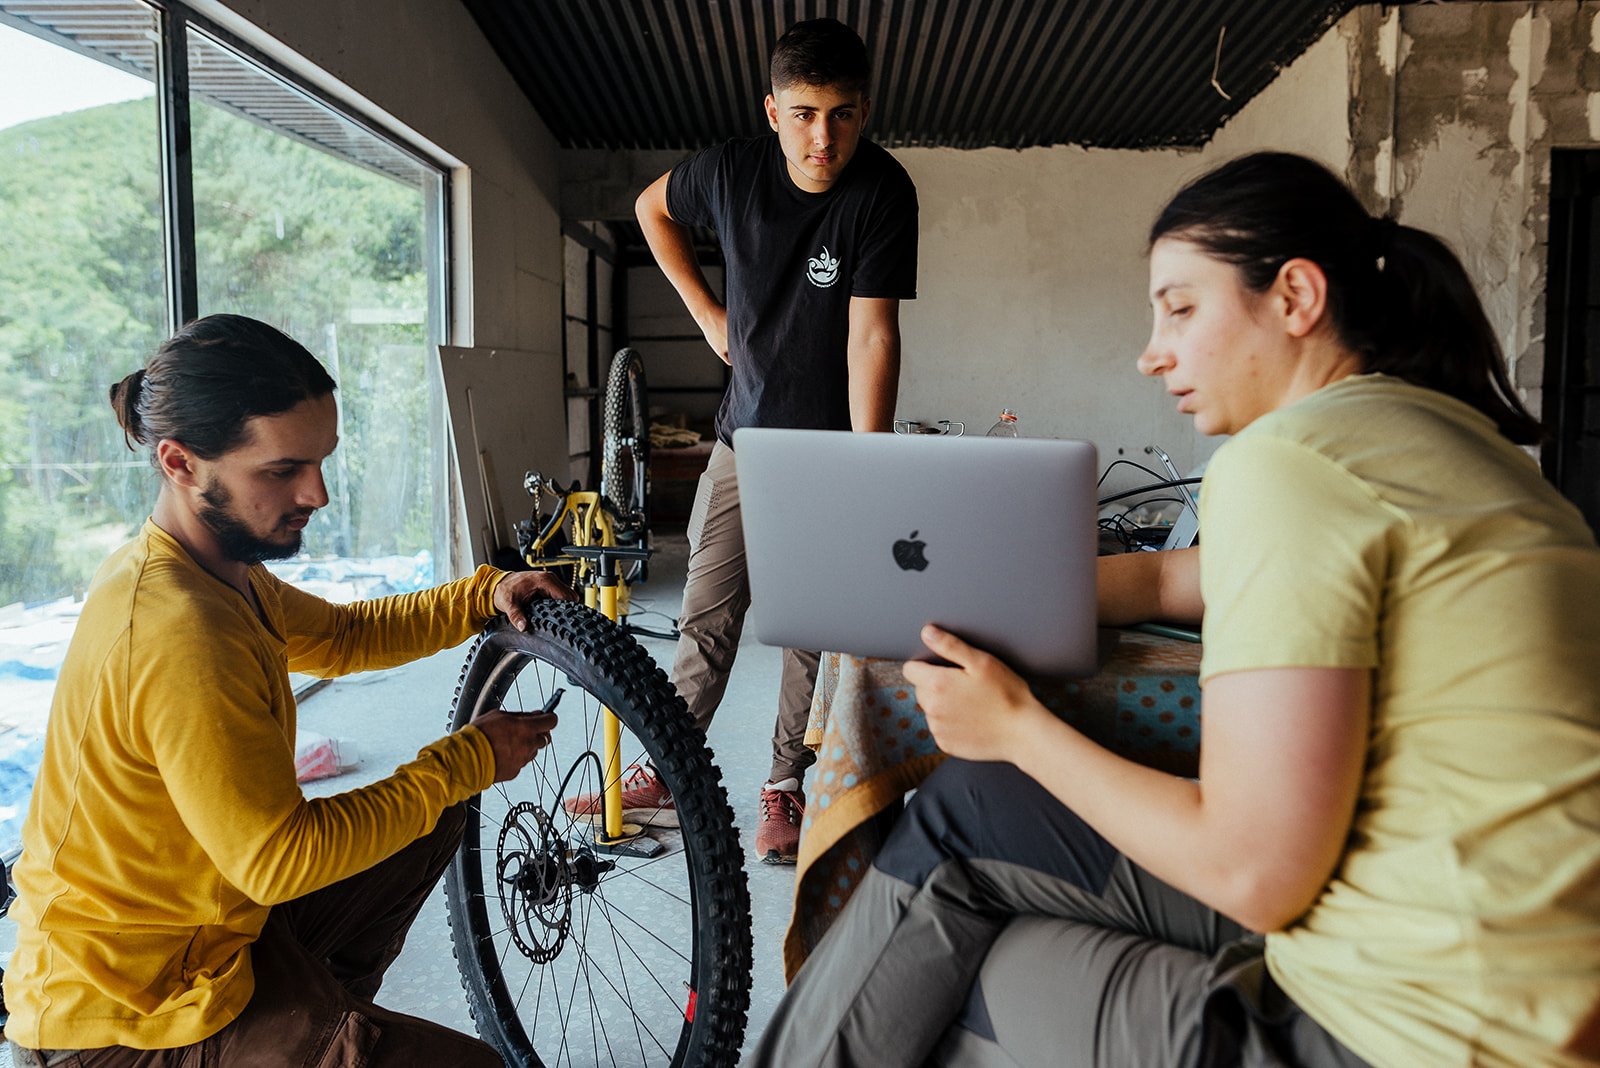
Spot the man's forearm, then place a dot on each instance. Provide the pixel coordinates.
(674, 253)
(873, 358)
(673, 249)
(873, 389)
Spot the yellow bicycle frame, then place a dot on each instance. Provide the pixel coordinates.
(591, 525)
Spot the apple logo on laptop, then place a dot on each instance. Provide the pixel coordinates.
(908, 553)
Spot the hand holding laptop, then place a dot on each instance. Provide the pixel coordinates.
(977, 708)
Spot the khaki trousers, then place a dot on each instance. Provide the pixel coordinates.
(716, 595)
(318, 964)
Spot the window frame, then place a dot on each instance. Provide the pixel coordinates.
(174, 17)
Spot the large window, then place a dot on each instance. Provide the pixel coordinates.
(153, 170)
(306, 220)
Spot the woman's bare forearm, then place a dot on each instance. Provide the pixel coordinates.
(1145, 587)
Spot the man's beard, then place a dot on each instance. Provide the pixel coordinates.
(236, 540)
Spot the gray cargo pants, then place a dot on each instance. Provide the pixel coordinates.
(716, 594)
(997, 928)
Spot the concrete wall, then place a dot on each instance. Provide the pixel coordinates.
(1455, 109)
(1033, 287)
(1032, 269)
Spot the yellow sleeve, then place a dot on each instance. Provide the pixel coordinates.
(205, 710)
(1293, 559)
(327, 639)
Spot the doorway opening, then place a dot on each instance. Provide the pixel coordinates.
(1571, 458)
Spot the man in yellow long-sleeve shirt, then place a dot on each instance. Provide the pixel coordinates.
(177, 892)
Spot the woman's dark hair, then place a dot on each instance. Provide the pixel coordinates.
(206, 380)
(820, 52)
(1397, 295)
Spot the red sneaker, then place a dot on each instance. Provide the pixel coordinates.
(778, 830)
(644, 801)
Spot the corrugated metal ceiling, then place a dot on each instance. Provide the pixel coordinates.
(679, 74)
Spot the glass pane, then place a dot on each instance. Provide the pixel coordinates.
(82, 302)
(310, 222)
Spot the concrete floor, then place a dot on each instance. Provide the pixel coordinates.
(389, 715)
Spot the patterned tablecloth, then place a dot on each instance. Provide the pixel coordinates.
(873, 746)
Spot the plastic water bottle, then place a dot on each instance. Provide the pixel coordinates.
(1006, 426)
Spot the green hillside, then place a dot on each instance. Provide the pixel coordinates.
(283, 231)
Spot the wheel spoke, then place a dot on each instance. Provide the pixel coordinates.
(624, 993)
(627, 992)
(645, 929)
(591, 965)
(619, 943)
(633, 873)
(644, 966)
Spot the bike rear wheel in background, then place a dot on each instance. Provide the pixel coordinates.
(571, 955)
(625, 452)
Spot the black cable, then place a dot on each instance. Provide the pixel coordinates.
(1130, 463)
(1112, 530)
(645, 610)
(643, 605)
(1119, 529)
(1166, 484)
(1152, 500)
(1127, 533)
(665, 635)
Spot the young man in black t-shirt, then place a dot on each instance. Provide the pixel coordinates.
(818, 229)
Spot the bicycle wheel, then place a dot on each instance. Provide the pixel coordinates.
(569, 954)
(625, 451)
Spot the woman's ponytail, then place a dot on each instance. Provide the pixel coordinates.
(1435, 333)
(1397, 296)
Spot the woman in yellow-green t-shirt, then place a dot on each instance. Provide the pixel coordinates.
(1392, 854)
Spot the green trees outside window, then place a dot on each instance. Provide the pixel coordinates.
(302, 217)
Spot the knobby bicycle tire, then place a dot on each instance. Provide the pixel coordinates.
(565, 962)
(625, 442)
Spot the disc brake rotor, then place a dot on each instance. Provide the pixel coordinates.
(535, 879)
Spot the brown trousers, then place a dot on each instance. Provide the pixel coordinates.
(716, 594)
(318, 964)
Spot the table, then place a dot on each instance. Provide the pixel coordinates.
(873, 746)
(674, 475)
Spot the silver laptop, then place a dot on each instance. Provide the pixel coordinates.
(854, 541)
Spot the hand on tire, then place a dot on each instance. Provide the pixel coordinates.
(516, 738)
(514, 592)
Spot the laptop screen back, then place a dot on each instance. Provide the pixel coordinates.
(854, 541)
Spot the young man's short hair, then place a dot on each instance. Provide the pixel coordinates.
(820, 52)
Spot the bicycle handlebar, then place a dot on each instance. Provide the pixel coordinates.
(607, 552)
